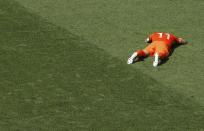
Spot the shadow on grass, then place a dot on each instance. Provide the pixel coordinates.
(171, 52)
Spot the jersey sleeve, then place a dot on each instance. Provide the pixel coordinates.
(150, 36)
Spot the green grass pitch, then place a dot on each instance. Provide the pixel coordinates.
(63, 66)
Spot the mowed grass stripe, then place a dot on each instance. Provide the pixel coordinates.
(120, 27)
(52, 79)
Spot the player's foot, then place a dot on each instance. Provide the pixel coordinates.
(132, 58)
(130, 61)
(157, 61)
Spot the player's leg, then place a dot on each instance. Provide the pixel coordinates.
(157, 59)
(149, 50)
(161, 52)
(137, 54)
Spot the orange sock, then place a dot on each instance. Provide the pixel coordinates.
(141, 53)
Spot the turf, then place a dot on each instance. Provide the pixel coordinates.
(120, 27)
(63, 67)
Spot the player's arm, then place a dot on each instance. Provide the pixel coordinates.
(181, 41)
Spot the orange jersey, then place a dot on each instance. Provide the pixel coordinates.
(167, 38)
(159, 47)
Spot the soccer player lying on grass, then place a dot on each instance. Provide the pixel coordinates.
(160, 45)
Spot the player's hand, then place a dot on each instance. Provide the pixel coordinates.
(182, 41)
(130, 61)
